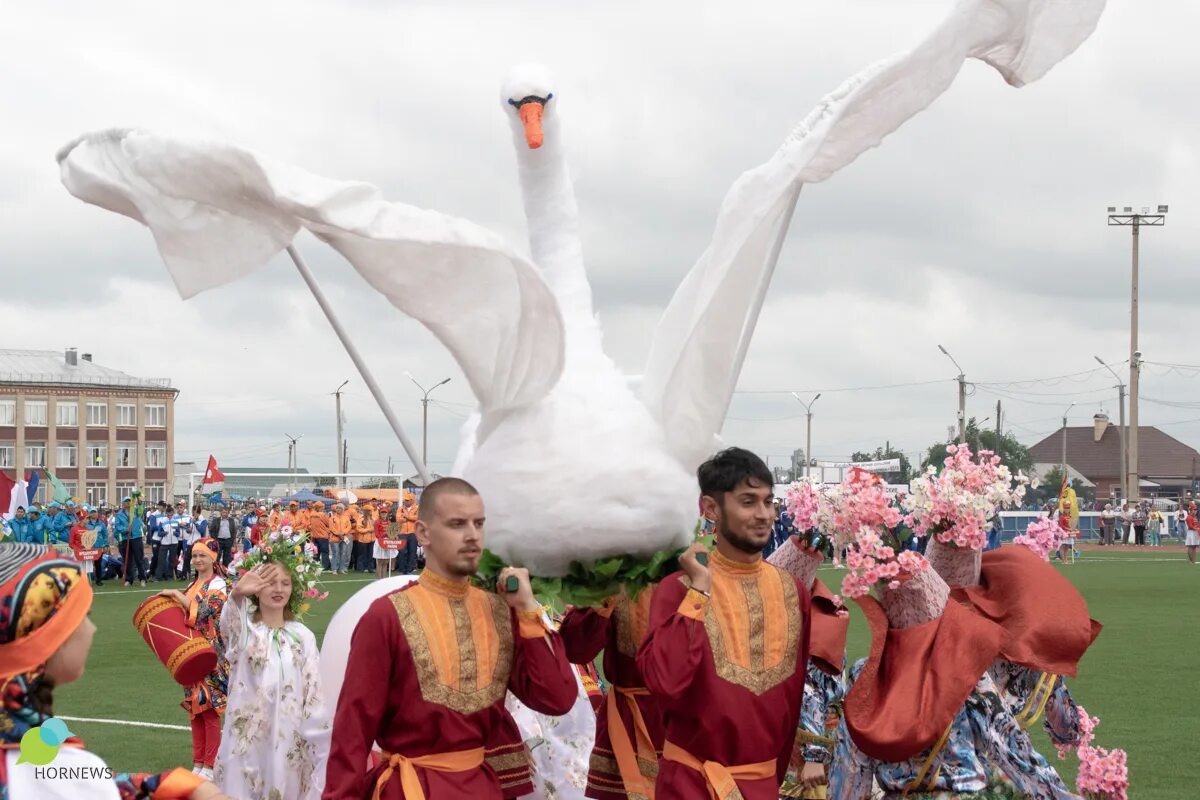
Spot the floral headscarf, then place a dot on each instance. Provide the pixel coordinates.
(294, 553)
(43, 599)
(209, 545)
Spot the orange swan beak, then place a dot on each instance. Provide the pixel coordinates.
(531, 118)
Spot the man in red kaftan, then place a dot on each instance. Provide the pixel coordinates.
(629, 731)
(727, 648)
(429, 667)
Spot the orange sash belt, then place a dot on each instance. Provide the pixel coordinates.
(627, 757)
(720, 779)
(459, 761)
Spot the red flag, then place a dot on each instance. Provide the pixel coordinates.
(7, 487)
(212, 476)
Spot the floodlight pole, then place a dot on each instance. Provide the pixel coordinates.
(341, 439)
(1134, 222)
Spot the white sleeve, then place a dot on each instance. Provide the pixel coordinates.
(79, 775)
(233, 627)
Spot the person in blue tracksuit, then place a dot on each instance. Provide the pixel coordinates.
(17, 528)
(781, 531)
(249, 520)
(156, 519)
(94, 523)
(130, 530)
(36, 533)
(58, 524)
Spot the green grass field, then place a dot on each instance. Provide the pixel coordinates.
(1141, 677)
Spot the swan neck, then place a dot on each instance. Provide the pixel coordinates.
(553, 219)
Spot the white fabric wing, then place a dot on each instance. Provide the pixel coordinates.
(697, 351)
(218, 212)
(335, 648)
(208, 206)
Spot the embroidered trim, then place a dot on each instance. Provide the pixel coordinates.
(762, 680)
(468, 664)
(632, 621)
(757, 626)
(443, 586)
(508, 761)
(516, 780)
(731, 567)
(469, 699)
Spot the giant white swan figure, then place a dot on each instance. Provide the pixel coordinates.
(572, 464)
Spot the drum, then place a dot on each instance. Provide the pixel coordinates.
(185, 653)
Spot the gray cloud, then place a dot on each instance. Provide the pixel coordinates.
(979, 225)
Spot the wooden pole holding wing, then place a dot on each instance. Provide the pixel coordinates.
(352, 351)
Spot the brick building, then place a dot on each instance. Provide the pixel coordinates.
(101, 431)
(1166, 466)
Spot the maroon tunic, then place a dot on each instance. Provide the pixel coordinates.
(729, 673)
(618, 629)
(427, 674)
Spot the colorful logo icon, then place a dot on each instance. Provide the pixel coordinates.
(39, 745)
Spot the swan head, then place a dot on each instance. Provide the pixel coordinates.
(525, 97)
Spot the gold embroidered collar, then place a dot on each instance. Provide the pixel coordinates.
(443, 586)
(731, 567)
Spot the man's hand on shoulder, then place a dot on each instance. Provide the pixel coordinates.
(698, 573)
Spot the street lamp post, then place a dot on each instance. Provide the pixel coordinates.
(962, 396)
(1134, 221)
(293, 459)
(1121, 430)
(425, 415)
(1064, 443)
(808, 437)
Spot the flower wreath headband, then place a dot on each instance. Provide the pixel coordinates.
(294, 553)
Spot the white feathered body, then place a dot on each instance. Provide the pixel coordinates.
(584, 473)
(581, 475)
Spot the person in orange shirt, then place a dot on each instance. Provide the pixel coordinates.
(320, 528)
(364, 537)
(295, 516)
(406, 516)
(341, 526)
(275, 518)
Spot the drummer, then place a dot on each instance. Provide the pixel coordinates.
(203, 602)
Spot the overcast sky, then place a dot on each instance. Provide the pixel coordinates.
(980, 225)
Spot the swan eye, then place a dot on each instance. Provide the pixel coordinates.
(533, 98)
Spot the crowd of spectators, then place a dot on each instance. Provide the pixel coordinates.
(155, 545)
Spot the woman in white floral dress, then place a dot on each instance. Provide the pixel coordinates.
(277, 728)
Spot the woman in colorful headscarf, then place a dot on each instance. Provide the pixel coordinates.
(203, 600)
(45, 636)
